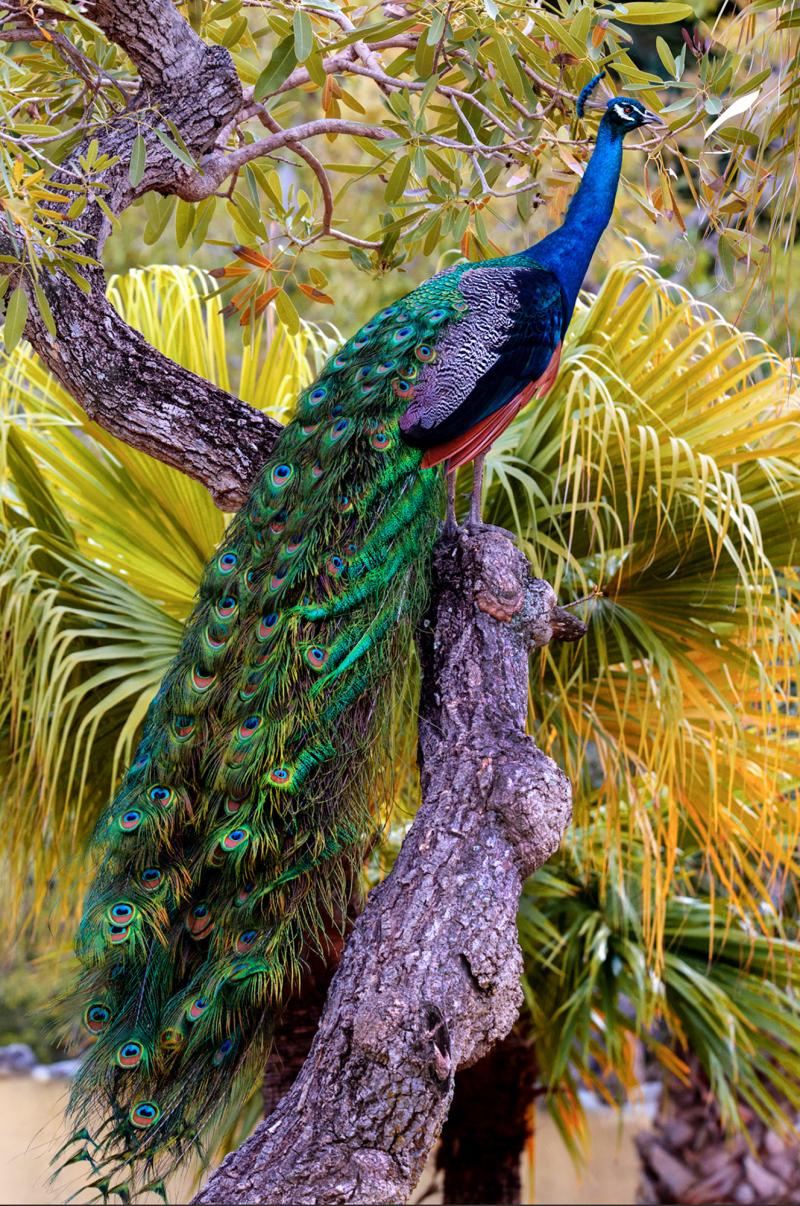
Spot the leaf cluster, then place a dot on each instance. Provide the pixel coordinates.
(475, 104)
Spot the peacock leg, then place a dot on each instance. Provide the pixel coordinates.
(450, 522)
(474, 522)
(477, 488)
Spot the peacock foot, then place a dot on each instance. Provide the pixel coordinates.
(476, 526)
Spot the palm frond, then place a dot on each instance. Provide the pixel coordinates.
(660, 476)
(723, 990)
(101, 550)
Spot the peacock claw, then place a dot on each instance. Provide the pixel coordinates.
(476, 526)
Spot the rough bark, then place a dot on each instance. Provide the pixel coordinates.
(122, 382)
(489, 1126)
(429, 979)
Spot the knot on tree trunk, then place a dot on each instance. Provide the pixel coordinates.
(429, 979)
(488, 612)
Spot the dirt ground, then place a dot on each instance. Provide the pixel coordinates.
(30, 1133)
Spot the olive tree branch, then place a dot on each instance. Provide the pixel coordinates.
(122, 382)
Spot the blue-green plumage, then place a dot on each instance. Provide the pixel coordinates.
(255, 790)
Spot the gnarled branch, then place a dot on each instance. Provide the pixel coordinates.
(123, 383)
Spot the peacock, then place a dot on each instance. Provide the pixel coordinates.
(237, 831)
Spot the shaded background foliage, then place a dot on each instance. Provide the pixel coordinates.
(659, 479)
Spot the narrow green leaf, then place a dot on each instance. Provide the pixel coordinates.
(248, 215)
(423, 59)
(680, 63)
(138, 161)
(16, 317)
(733, 135)
(159, 210)
(280, 66)
(461, 224)
(662, 13)
(428, 91)
(432, 237)
(666, 56)
(78, 206)
(204, 214)
(221, 11)
(44, 309)
(508, 69)
(75, 276)
(234, 33)
(287, 313)
(270, 185)
(398, 180)
(303, 35)
(579, 28)
(360, 259)
(109, 213)
(369, 33)
(174, 149)
(178, 137)
(315, 68)
(436, 27)
(184, 221)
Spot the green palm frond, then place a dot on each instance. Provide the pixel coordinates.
(722, 991)
(101, 550)
(660, 477)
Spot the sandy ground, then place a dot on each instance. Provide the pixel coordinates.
(30, 1133)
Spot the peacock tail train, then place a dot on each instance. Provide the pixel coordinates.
(250, 799)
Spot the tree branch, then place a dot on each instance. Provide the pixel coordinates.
(123, 383)
(429, 979)
(194, 186)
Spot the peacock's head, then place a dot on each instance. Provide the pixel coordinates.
(624, 114)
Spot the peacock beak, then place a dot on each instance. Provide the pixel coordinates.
(648, 118)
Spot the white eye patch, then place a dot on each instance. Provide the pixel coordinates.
(624, 112)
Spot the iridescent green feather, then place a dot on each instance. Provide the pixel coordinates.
(232, 840)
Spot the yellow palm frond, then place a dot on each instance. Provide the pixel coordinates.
(660, 477)
(101, 550)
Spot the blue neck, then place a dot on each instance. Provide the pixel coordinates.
(568, 251)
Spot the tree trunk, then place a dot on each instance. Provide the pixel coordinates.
(688, 1157)
(429, 979)
(489, 1126)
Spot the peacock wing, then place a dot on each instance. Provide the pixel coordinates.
(515, 318)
